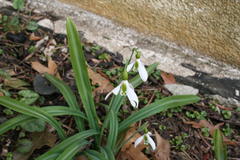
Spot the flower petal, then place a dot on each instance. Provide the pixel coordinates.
(117, 89)
(151, 142)
(132, 95)
(138, 141)
(114, 91)
(130, 66)
(142, 71)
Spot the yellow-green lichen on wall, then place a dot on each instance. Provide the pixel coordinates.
(210, 27)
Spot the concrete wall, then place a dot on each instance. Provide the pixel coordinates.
(211, 27)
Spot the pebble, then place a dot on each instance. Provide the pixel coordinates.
(180, 89)
(47, 23)
(60, 27)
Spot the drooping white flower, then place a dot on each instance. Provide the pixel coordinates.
(137, 65)
(146, 139)
(125, 88)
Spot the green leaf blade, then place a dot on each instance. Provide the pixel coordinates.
(52, 110)
(113, 130)
(157, 107)
(59, 148)
(33, 112)
(219, 146)
(72, 150)
(69, 97)
(81, 75)
(94, 155)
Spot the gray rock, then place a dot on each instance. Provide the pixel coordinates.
(180, 89)
(47, 23)
(60, 27)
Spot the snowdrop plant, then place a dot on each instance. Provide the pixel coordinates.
(95, 138)
(137, 65)
(125, 89)
(146, 138)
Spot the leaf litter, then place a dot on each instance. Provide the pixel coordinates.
(58, 64)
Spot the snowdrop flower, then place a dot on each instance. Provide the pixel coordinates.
(125, 88)
(137, 65)
(147, 140)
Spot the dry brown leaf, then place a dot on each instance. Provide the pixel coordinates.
(37, 66)
(206, 124)
(39, 139)
(1, 94)
(168, 78)
(128, 151)
(81, 157)
(224, 108)
(52, 66)
(162, 151)
(132, 154)
(33, 37)
(51, 69)
(15, 83)
(105, 85)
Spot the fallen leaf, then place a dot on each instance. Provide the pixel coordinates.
(224, 108)
(128, 151)
(33, 37)
(1, 94)
(39, 139)
(52, 66)
(168, 78)
(82, 157)
(15, 83)
(105, 85)
(206, 124)
(96, 61)
(37, 66)
(51, 69)
(162, 151)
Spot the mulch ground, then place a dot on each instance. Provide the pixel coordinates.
(186, 141)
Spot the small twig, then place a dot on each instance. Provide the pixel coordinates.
(187, 155)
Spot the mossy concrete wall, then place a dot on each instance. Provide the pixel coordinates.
(211, 27)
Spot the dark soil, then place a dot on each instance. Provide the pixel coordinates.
(16, 57)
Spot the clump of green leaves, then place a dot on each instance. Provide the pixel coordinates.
(10, 23)
(157, 74)
(24, 146)
(13, 23)
(95, 48)
(28, 96)
(214, 107)
(32, 26)
(171, 112)
(226, 114)
(162, 127)
(196, 115)
(104, 56)
(36, 125)
(18, 4)
(178, 142)
(9, 156)
(227, 131)
(205, 131)
(1, 51)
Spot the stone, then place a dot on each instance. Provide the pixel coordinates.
(47, 23)
(180, 89)
(60, 27)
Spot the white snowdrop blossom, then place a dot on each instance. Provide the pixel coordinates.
(125, 88)
(137, 65)
(146, 139)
